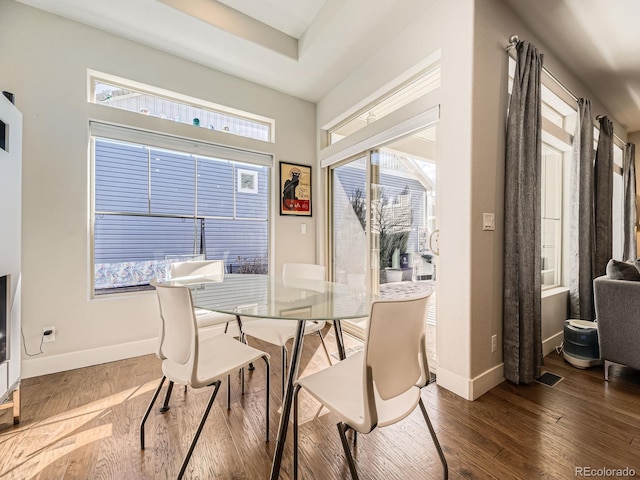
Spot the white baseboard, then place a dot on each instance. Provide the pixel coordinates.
(486, 381)
(453, 382)
(474, 388)
(34, 367)
(549, 344)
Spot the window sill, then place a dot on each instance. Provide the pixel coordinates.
(105, 292)
(553, 291)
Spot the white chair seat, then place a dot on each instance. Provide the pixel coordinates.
(217, 357)
(339, 388)
(381, 385)
(277, 332)
(207, 318)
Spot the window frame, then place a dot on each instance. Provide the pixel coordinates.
(94, 76)
(154, 141)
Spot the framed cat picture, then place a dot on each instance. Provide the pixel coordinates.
(295, 189)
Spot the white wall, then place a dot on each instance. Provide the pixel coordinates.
(446, 27)
(471, 36)
(44, 62)
(494, 24)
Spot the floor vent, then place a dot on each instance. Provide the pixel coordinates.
(549, 379)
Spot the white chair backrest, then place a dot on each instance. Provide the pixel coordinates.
(309, 271)
(198, 267)
(395, 344)
(179, 336)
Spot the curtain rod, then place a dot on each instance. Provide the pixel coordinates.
(513, 42)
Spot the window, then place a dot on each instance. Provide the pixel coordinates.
(551, 213)
(153, 202)
(558, 125)
(395, 99)
(148, 100)
(617, 203)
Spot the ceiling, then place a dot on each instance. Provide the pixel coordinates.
(306, 47)
(597, 40)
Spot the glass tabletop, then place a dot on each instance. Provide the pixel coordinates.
(277, 297)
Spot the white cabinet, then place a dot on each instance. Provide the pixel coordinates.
(10, 253)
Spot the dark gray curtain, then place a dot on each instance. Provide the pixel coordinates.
(581, 230)
(522, 336)
(603, 198)
(629, 215)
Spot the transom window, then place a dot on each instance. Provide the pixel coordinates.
(133, 96)
(392, 101)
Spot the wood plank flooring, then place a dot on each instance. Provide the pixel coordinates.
(83, 424)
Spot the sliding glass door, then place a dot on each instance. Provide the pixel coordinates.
(403, 213)
(383, 205)
(349, 224)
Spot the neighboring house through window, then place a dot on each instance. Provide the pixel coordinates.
(158, 198)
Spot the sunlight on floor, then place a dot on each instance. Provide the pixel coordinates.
(28, 449)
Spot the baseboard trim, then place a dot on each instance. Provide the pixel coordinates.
(486, 381)
(34, 367)
(474, 388)
(453, 382)
(550, 344)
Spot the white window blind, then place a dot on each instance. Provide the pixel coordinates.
(196, 147)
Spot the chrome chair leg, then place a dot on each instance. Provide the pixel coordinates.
(342, 428)
(200, 427)
(146, 414)
(228, 392)
(435, 440)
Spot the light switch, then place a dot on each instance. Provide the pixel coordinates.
(303, 228)
(488, 221)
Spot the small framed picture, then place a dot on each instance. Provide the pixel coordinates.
(247, 181)
(295, 189)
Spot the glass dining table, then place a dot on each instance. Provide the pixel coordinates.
(286, 299)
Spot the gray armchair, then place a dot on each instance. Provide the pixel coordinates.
(617, 305)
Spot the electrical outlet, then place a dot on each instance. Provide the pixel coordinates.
(494, 343)
(51, 337)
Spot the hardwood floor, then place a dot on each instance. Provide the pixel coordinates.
(83, 424)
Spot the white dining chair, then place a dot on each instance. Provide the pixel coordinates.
(279, 332)
(381, 385)
(196, 361)
(193, 269)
